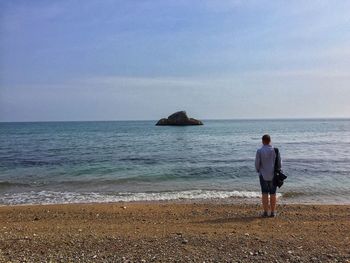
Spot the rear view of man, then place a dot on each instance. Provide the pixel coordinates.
(265, 166)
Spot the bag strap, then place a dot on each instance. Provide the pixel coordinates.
(276, 159)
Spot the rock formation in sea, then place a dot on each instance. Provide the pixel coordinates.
(179, 118)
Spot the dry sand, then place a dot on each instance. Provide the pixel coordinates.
(173, 232)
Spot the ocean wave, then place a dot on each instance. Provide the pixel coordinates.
(317, 161)
(53, 197)
(7, 184)
(190, 174)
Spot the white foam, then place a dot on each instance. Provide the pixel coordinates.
(53, 197)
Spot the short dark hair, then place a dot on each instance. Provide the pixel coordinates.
(266, 138)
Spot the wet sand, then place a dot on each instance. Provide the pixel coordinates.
(173, 232)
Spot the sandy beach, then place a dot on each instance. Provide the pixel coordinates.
(173, 232)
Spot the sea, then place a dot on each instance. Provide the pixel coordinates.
(118, 161)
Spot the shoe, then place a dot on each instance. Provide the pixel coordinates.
(264, 214)
(273, 214)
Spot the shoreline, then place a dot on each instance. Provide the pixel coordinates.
(216, 201)
(173, 232)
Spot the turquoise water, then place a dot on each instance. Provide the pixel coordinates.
(65, 162)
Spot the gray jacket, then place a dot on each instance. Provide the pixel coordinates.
(265, 162)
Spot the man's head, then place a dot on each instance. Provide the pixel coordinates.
(266, 139)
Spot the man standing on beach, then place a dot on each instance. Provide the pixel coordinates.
(265, 165)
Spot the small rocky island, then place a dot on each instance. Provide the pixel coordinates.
(179, 118)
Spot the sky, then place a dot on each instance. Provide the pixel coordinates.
(71, 60)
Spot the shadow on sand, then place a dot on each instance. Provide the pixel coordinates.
(240, 219)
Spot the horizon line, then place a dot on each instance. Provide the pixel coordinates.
(219, 119)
